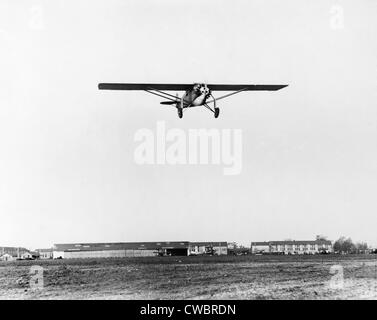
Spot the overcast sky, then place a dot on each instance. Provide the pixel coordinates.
(67, 170)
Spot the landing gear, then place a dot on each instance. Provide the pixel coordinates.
(216, 111)
(180, 108)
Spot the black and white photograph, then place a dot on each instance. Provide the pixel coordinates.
(161, 150)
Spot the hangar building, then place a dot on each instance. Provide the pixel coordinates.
(120, 249)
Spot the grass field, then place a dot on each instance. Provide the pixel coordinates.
(223, 277)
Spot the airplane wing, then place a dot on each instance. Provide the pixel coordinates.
(145, 86)
(245, 87)
(184, 87)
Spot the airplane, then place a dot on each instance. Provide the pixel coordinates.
(195, 95)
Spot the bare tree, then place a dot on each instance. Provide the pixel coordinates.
(344, 245)
(361, 247)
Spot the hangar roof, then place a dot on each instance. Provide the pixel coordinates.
(121, 246)
(213, 243)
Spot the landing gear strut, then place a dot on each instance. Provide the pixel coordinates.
(180, 108)
(180, 112)
(216, 111)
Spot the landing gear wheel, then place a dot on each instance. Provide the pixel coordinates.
(217, 112)
(180, 112)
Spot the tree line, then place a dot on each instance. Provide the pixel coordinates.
(346, 245)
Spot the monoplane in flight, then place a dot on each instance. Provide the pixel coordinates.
(197, 94)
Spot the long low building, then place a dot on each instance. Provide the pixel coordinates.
(136, 249)
(292, 247)
(120, 249)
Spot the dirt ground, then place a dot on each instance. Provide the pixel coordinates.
(223, 277)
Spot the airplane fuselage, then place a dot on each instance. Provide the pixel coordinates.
(196, 96)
